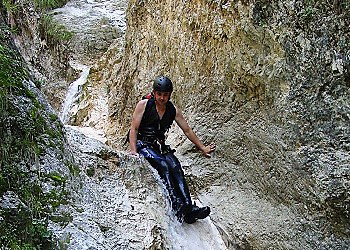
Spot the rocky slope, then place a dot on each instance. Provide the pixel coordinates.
(268, 81)
(35, 164)
(74, 192)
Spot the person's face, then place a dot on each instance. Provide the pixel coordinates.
(162, 97)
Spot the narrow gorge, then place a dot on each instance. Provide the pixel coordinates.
(267, 81)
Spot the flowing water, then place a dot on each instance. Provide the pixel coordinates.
(106, 200)
(74, 91)
(201, 235)
(84, 15)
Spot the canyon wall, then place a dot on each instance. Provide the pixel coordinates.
(268, 81)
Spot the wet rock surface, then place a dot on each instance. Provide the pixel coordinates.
(99, 30)
(120, 204)
(95, 24)
(268, 82)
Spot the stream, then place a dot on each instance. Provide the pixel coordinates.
(122, 203)
(74, 91)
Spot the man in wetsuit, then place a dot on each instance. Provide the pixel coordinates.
(151, 119)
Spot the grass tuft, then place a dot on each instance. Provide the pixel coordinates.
(54, 31)
(49, 4)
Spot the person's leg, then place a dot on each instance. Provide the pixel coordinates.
(159, 162)
(178, 177)
(190, 212)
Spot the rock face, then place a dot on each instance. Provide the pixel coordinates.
(74, 191)
(33, 158)
(53, 40)
(269, 83)
(120, 205)
(95, 24)
(47, 54)
(98, 28)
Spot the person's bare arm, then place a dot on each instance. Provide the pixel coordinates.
(135, 124)
(181, 121)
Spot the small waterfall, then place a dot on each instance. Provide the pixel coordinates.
(74, 91)
(112, 213)
(203, 234)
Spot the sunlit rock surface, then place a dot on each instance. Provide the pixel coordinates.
(120, 204)
(269, 83)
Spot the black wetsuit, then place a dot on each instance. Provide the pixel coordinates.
(151, 144)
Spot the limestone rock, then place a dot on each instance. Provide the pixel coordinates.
(269, 83)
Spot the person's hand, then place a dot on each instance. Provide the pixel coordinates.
(207, 150)
(133, 153)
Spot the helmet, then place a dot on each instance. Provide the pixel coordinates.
(162, 84)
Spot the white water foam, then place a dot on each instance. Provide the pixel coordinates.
(201, 235)
(74, 91)
(81, 15)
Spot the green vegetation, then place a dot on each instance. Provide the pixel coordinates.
(38, 84)
(60, 180)
(12, 73)
(73, 169)
(313, 7)
(53, 117)
(344, 7)
(25, 130)
(90, 171)
(308, 12)
(53, 31)
(49, 4)
(10, 6)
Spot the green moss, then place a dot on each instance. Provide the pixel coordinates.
(308, 13)
(53, 117)
(90, 171)
(12, 71)
(26, 226)
(35, 230)
(57, 178)
(24, 130)
(63, 219)
(55, 198)
(74, 169)
(38, 84)
(10, 6)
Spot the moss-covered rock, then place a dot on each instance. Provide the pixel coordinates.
(28, 131)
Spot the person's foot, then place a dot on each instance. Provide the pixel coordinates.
(182, 211)
(196, 213)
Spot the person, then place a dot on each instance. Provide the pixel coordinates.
(152, 118)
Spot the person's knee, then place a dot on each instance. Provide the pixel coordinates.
(178, 173)
(160, 165)
(165, 166)
(175, 166)
(173, 161)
